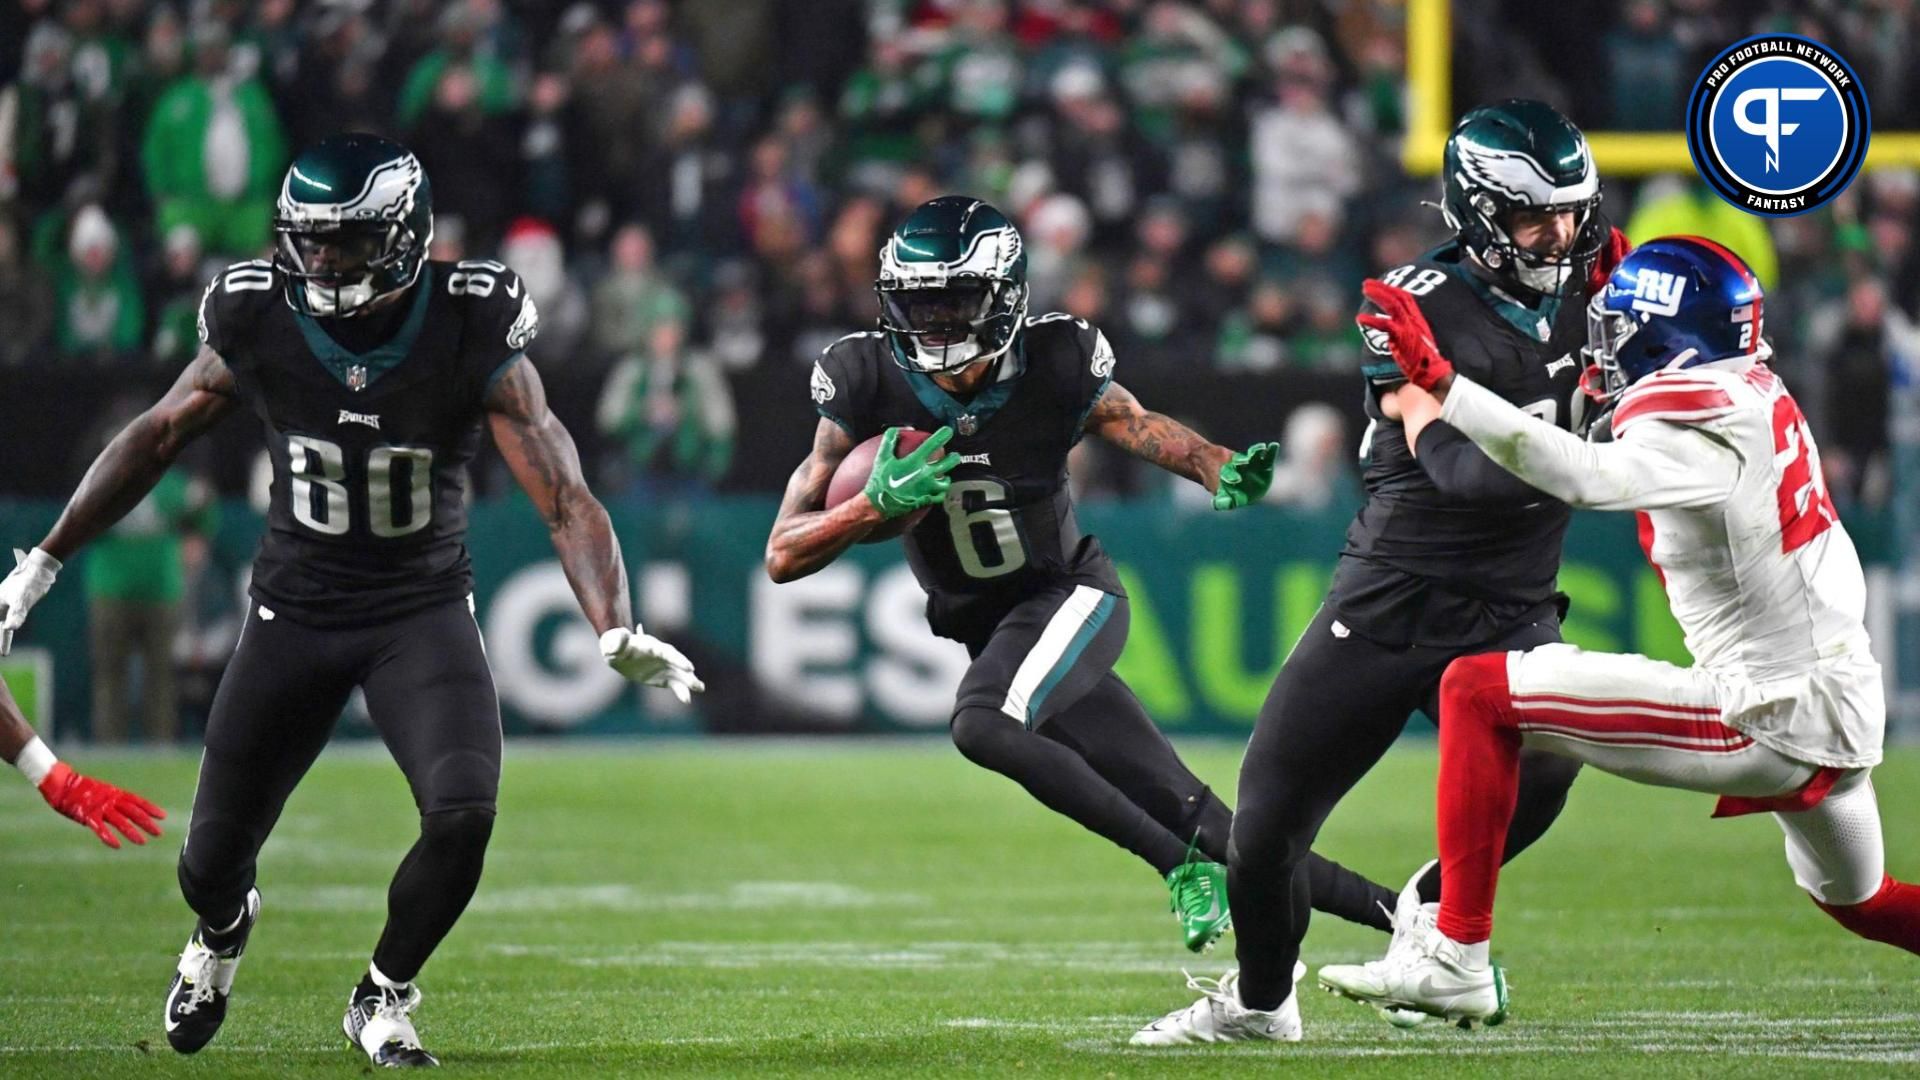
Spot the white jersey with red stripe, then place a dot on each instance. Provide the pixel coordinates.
(1760, 574)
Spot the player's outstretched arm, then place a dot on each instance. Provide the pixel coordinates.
(541, 454)
(806, 537)
(1234, 479)
(1657, 466)
(543, 459)
(93, 803)
(119, 478)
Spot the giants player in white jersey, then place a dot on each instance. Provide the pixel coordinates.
(1783, 710)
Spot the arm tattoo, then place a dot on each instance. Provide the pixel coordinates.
(141, 453)
(542, 457)
(1119, 418)
(805, 536)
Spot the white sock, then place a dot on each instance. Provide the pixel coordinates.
(382, 981)
(1474, 956)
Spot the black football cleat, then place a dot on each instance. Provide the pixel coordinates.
(197, 1000)
(379, 1022)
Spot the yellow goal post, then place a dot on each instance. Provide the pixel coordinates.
(1618, 153)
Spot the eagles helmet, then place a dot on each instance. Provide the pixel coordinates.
(952, 286)
(1522, 155)
(1676, 302)
(353, 223)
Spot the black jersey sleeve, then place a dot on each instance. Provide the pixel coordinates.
(231, 304)
(499, 314)
(1463, 471)
(843, 384)
(1075, 358)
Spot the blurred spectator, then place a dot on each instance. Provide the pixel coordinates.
(671, 411)
(854, 243)
(1859, 342)
(1177, 47)
(1057, 230)
(1674, 205)
(879, 107)
(1094, 153)
(135, 579)
(686, 186)
(533, 250)
(1646, 70)
(632, 297)
(26, 304)
(1254, 338)
(177, 287)
(1303, 159)
(736, 334)
(544, 150)
(978, 67)
(814, 311)
(98, 313)
(1312, 473)
(779, 212)
(491, 84)
(1326, 339)
(54, 134)
(214, 152)
(469, 154)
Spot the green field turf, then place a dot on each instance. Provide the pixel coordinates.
(887, 909)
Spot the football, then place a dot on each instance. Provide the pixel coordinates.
(851, 477)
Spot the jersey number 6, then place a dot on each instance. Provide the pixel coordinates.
(985, 537)
(319, 464)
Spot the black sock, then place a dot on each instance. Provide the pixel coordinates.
(431, 889)
(1064, 783)
(233, 930)
(1344, 894)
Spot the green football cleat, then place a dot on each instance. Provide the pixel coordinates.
(1198, 896)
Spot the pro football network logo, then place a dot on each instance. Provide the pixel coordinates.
(1778, 124)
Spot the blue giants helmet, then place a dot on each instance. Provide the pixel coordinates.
(1675, 302)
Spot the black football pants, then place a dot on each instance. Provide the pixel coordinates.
(431, 697)
(1339, 702)
(1042, 706)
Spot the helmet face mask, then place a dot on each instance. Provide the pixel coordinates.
(952, 286)
(352, 225)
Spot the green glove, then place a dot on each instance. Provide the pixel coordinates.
(1245, 476)
(901, 485)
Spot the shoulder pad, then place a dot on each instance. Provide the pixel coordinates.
(232, 300)
(1688, 396)
(495, 299)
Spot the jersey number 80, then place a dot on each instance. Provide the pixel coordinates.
(319, 466)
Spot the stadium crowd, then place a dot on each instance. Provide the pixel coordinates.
(695, 193)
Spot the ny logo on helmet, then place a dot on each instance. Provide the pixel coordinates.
(1657, 292)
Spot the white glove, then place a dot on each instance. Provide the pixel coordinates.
(32, 576)
(647, 660)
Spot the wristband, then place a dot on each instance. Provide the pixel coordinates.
(35, 761)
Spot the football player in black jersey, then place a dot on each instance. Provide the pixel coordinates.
(1006, 569)
(1450, 555)
(371, 368)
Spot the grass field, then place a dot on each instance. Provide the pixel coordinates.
(886, 909)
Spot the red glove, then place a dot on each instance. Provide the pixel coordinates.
(1409, 337)
(1611, 253)
(97, 804)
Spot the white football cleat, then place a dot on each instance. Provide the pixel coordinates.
(1431, 976)
(1220, 1017)
(1411, 920)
